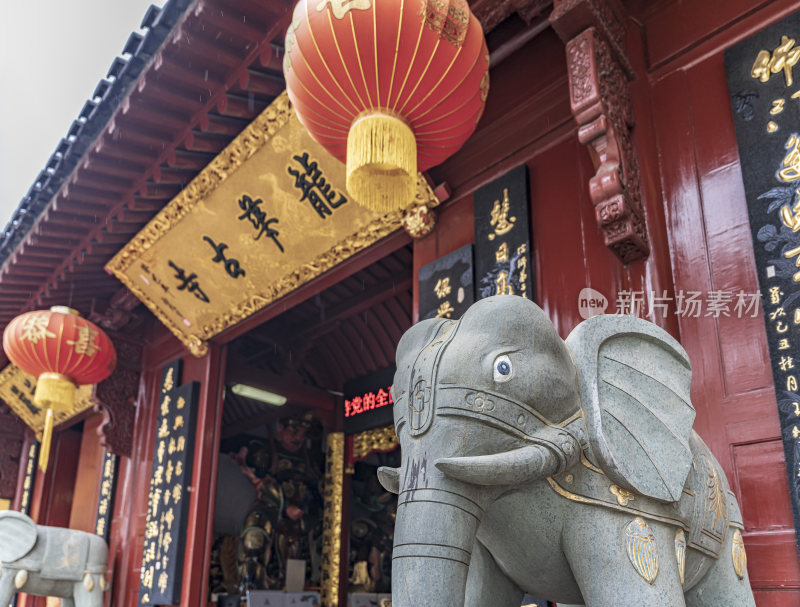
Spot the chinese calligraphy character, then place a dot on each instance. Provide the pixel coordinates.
(499, 216)
(340, 8)
(165, 405)
(522, 266)
(168, 517)
(783, 58)
(792, 253)
(442, 288)
(169, 381)
(35, 328)
(315, 188)
(777, 106)
(258, 217)
(501, 254)
(189, 283)
(163, 580)
(163, 429)
(231, 265)
(85, 342)
(444, 310)
(775, 295)
(790, 170)
(504, 286)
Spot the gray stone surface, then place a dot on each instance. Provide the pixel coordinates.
(566, 470)
(50, 561)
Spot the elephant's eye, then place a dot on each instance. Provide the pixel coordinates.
(502, 368)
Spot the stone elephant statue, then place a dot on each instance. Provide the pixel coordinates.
(567, 470)
(50, 561)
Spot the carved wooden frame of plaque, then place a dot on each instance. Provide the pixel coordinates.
(257, 134)
(12, 375)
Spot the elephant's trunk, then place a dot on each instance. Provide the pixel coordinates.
(434, 537)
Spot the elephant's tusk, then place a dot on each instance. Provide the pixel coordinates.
(509, 468)
(88, 582)
(389, 478)
(20, 579)
(103, 583)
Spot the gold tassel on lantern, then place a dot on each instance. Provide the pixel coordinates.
(54, 392)
(381, 162)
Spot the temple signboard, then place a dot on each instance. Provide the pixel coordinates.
(105, 497)
(267, 215)
(445, 285)
(764, 90)
(502, 237)
(17, 389)
(168, 500)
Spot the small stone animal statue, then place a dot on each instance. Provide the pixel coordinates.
(565, 469)
(50, 561)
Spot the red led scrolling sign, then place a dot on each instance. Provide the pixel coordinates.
(369, 401)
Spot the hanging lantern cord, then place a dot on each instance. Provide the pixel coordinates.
(54, 392)
(47, 438)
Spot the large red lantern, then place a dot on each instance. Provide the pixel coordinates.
(389, 86)
(62, 350)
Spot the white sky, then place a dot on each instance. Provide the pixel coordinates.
(52, 55)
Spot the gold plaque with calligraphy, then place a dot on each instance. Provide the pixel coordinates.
(267, 215)
(17, 388)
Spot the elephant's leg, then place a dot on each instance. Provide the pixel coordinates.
(596, 545)
(487, 585)
(721, 587)
(7, 588)
(67, 602)
(87, 598)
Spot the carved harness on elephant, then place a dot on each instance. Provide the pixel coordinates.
(706, 510)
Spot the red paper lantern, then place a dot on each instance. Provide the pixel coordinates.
(389, 86)
(62, 350)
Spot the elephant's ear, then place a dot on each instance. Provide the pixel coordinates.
(17, 535)
(635, 380)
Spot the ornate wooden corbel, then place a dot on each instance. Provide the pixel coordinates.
(114, 398)
(599, 82)
(12, 437)
(492, 12)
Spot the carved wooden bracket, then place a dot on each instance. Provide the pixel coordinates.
(492, 12)
(115, 397)
(599, 77)
(12, 437)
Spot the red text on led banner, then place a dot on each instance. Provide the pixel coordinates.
(367, 402)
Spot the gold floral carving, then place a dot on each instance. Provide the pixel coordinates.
(332, 520)
(680, 552)
(642, 550)
(623, 495)
(419, 221)
(738, 553)
(377, 439)
(17, 389)
(257, 134)
(716, 499)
